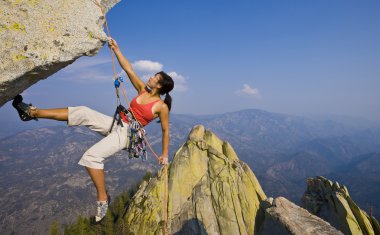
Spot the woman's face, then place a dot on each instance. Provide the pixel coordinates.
(153, 81)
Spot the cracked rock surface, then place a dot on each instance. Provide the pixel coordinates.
(332, 202)
(40, 37)
(209, 191)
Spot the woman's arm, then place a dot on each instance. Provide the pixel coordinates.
(127, 67)
(164, 118)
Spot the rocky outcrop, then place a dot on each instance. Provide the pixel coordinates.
(40, 37)
(284, 217)
(332, 202)
(208, 191)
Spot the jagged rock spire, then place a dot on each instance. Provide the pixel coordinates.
(283, 217)
(332, 202)
(210, 191)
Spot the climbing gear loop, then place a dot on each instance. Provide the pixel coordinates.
(137, 142)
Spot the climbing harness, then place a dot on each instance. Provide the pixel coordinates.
(137, 142)
(138, 139)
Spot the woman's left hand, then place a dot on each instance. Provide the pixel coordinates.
(113, 44)
(163, 160)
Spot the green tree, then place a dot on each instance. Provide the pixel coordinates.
(83, 227)
(108, 223)
(114, 222)
(54, 229)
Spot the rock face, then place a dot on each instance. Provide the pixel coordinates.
(284, 217)
(40, 37)
(333, 203)
(208, 191)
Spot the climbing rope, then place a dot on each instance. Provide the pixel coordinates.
(113, 58)
(117, 81)
(164, 200)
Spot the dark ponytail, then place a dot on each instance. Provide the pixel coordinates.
(167, 84)
(168, 101)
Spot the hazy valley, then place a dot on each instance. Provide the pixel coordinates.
(42, 182)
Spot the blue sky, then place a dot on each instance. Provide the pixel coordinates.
(308, 58)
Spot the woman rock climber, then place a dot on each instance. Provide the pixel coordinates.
(146, 106)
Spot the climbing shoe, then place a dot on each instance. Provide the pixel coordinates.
(23, 109)
(102, 207)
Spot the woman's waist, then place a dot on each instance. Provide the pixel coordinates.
(128, 116)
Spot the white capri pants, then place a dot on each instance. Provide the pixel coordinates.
(112, 143)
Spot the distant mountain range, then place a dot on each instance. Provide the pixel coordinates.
(41, 181)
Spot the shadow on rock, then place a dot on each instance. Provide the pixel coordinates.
(191, 227)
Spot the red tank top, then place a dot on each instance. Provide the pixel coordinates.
(142, 112)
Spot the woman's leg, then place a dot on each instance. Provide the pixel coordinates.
(94, 120)
(79, 116)
(60, 114)
(97, 176)
(93, 158)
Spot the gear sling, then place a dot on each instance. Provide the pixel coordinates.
(137, 143)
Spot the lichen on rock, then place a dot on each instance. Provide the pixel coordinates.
(332, 202)
(38, 38)
(210, 191)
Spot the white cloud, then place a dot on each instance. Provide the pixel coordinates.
(249, 90)
(100, 70)
(147, 66)
(179, 81)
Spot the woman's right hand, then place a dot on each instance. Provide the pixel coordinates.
(163, 159)
(112, 44)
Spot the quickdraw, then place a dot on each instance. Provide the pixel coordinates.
(137, 146)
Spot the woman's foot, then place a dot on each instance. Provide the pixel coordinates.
(102, 207)
(25, 111)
